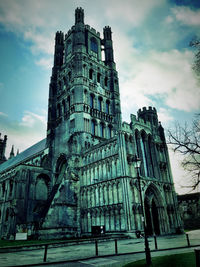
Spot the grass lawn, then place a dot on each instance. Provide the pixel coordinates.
(176, 260)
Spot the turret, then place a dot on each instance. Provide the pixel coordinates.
(3, 148)
(59, 49)
(79, 15)
(108, 46)
(12, 154)
(148, 115)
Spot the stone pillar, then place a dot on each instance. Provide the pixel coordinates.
(110, 194)
(89, 222)
(115, 200)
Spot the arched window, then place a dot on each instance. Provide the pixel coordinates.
(92, 101)
(93, 45)
(91, 74)
(98, 77)
(85, 97)
(64, 106)
(100, 100)
(109, 131)
(64, 80)
(93, 127)
(60, 85)
(102, 130)
(69, 75)
(11, 188)
(68, 102)
(108, 107)
(7, 215)
(106, 81)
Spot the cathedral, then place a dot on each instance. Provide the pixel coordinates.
(81, 179)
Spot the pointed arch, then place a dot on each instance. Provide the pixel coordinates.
(154, 212)
(61, 166)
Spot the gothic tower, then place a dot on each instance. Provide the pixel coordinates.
(84, 92)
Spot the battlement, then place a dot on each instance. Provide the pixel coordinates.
(92, 30)
(107, 28)
(149, 109)
(148, 115)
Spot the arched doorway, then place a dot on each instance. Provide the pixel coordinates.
(152, 202)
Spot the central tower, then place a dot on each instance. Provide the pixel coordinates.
(84, 103)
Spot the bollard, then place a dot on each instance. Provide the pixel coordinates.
(96, 247)
(45, 253)
(188, 241)
(197, 255)
(116, 249)
(155, 241)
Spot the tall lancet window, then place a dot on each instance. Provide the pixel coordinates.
(92, 101)
(93, 45)
(144, 155)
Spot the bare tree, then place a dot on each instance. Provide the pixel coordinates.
(186, 141)
(195, 43)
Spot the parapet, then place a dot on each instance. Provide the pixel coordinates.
(92, 30)
(148, 110)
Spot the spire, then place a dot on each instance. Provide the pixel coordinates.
(79, 15)
(2, 148)
(12, 154)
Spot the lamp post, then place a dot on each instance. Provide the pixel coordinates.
(147, 250)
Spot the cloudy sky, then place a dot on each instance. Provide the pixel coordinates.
(151, 42)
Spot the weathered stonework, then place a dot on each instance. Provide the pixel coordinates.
(82, 175)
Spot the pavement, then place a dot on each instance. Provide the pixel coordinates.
(85, 254)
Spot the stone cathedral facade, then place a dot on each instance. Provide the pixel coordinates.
(81, 179)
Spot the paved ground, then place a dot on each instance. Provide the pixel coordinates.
(84, 254)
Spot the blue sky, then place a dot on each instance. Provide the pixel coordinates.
(151, 41)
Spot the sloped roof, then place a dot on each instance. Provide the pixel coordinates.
(36, 148)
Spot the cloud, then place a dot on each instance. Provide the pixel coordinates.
(130, 12)
(24, 133)
(40, 42)
(186, 16)
(164, 115)
(46, 63)
(156, 78)
(31, 119)
(3, 114)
